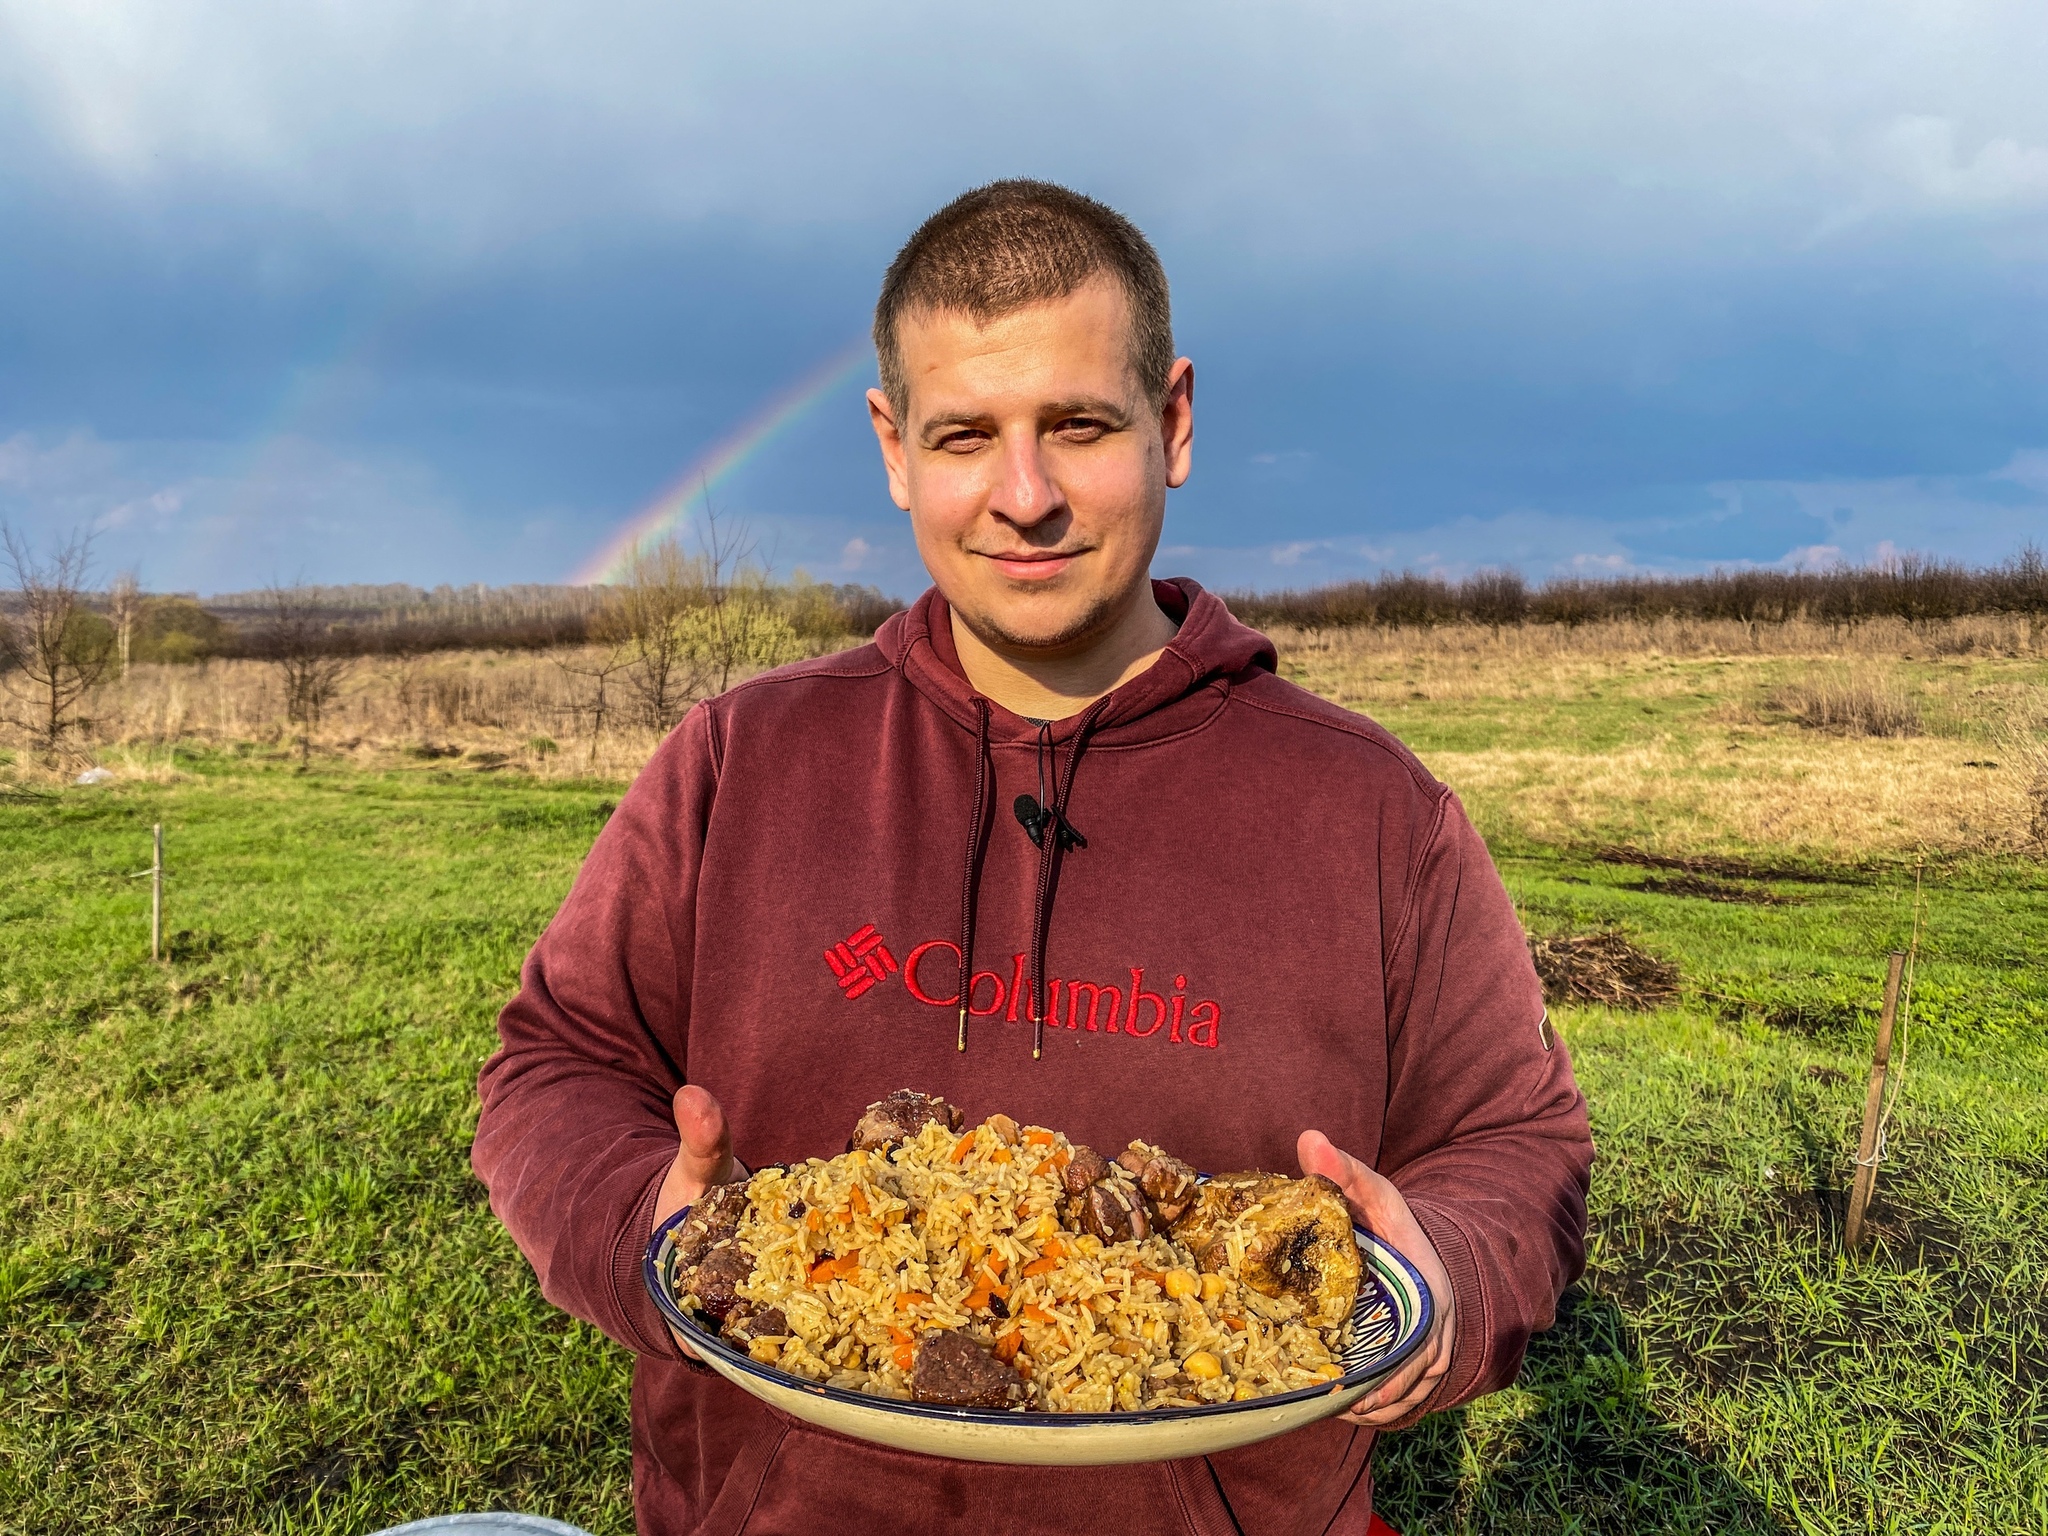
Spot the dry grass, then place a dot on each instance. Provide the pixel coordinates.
(1837, 799)
(1675, 735)
(1850, 704)
(494, 711)
(1603, 968)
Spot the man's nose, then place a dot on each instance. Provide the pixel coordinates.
(1024, 494)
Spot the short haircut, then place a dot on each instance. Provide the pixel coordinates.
(1015, 243)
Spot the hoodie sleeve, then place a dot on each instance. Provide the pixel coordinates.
(1486, 1130)
(576, 1129)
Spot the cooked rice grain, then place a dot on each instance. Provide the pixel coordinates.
(865, 1253)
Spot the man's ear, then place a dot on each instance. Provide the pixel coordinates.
(883, 419)
(1177, 422)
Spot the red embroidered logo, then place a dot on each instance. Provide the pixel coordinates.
(860, 960)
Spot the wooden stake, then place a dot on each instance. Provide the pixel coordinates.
(156, 897)
(1873, 1102)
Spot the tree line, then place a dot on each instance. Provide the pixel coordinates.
(1916, 588)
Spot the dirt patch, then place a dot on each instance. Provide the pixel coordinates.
(1602, 968)
(1824, 1020)
(1725, 867)
(1827, 1077)
(1709, 890)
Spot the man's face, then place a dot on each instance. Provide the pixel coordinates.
(1033, 466)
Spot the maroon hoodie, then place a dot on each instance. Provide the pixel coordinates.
(1248, 912)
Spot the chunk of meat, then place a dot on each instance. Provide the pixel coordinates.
(747, 1322)
(710, 1264)
(901, 1116)
(1168, 1182)
(951, 1368)
(1113, 1210)
(1088, 1167)
(1301, 1244)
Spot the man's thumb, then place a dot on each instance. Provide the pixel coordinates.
(707, 1141)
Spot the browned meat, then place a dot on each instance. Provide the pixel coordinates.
(1113, 1210)
(710, 1264)
(1301, 1244)
(899, 1117)
(1168, 1182)
(1088, 1167)
(747, 1322)
(952, 1368)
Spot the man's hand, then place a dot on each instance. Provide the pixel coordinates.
(1398, 1401)
(704, 1159)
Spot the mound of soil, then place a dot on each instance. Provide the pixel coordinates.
(1602, 968)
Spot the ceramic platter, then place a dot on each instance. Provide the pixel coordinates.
(1390, 1322)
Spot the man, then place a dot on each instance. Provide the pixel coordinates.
(1058, 843)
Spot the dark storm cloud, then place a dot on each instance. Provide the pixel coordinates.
(376, 292)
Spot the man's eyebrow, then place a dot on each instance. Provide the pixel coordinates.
(1057, 410)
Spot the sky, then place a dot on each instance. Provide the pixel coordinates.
(378, 291)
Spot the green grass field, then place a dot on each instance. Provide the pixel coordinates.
(246, 1281)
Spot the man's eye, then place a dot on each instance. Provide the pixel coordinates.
(1084, 427)
(962, 442)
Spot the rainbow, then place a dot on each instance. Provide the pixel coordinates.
(716, 464)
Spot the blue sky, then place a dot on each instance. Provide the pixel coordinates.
(380, 291)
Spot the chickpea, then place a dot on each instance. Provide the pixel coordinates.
(1245, 1392)
(1182, 1282)
(1329, 1370)
(1212, 1288)
(1088, 1243)
(1203, 1365)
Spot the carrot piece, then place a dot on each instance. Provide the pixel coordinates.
(859, 1200)
(815, 1220)
(975, 1301)
(1042, 1169)
(905, 1300)
(902, 1335)
(904, 1357)
(1235, 1323)
(996, 1263)
(1038, 1138)
(1000, 1155)
(1041, 1266)
(1053, 1249)
(824, 1272)
(1031, 1312)
(962, 1147)
(1008, 1345)
(1062, 1157)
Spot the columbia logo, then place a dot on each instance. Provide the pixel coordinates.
(860, 960)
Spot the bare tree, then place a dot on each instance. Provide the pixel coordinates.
(124, 607)
(53, 649)
(296, 641)
(662, 588)
(591, 703)
(739, 624)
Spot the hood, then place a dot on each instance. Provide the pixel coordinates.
(1181, 689)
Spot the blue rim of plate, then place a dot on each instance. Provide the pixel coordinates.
(654, 1271)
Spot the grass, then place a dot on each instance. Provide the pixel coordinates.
(246, 1281)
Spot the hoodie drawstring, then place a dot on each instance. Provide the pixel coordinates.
(976, 837)
(1038, 819)
(1053, 820)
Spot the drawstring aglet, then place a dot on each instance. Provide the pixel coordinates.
(1037, 1038)
(963, 1030)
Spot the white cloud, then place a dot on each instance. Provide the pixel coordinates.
(1922, 152)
